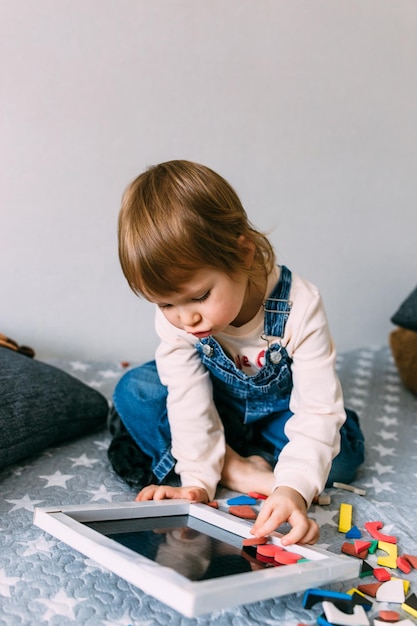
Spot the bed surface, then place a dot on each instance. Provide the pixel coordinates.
(44, 581)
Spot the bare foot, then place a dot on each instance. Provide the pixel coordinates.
(245, 474)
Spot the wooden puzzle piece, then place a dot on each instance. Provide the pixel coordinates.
(373, 530)
(345, 517)
(392, 551)
(323, 499)
(352, 488)
(336, 616)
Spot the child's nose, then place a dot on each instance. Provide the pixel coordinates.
(190, 318)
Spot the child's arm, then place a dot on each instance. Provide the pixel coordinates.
(166, 492)
(286, 505)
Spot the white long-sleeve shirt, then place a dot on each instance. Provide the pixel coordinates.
(198, 443)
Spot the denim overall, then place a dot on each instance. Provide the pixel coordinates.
(254, 409)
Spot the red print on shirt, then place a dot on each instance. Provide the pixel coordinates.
(243, 361)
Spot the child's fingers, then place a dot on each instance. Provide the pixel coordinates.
(304, 530)
(267, 521)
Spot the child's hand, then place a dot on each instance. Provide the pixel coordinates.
(165, 492)
(286, 505)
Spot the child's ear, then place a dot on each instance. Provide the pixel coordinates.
(248, 250)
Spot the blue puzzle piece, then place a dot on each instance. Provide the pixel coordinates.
(312, 596)
(353, 533)
(237, 500)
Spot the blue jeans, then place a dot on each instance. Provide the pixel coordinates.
(140, 401)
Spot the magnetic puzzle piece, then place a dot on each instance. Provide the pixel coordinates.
(257, 495)
(360, 546)
(403, 565)
(349, 548)
(381, 574)
(410, 605)
(391, 591)
(403, 622)
(359, 598)
(373, 530)
(238, 500)
(366, 569)
(284, 557)
(389, 616)
(313, 595)
(353, 533)
(254, 541)
(345, 517)
(336, 616)
(243, 510)
(268, 549)
(392, 552)
(411, 559)
(370, 589)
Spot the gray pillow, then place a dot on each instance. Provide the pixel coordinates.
(406, 316)
(42, 406)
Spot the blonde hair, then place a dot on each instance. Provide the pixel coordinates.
(178, 217)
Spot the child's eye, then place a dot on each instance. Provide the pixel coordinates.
(164, 306)
(204, 297)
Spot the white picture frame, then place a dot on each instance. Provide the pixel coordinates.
(73, 525)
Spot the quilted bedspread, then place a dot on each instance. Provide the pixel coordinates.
(44, 581)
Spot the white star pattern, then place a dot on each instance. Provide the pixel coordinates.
(96, 383)
(103, 445)
(382, 469)
(39, 564)
(83, 461)
(388, 421)
(379, 486)
(109, 373)
(102, 494)
(60, 604)
(41, 544)
(323, 516)
(24, 503)
(6, 582)
(386, 436)
(383, 451)
(79, 366)
(57, 479)
(126, 620)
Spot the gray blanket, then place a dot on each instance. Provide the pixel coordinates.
(43, 581)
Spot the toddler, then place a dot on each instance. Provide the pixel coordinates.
(243, 390)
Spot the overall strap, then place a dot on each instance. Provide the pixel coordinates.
(277, 306)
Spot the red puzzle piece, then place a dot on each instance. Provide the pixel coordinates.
(373, 530)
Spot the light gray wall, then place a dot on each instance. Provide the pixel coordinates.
(307, 108)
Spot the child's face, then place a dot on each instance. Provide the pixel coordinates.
(208, 302)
